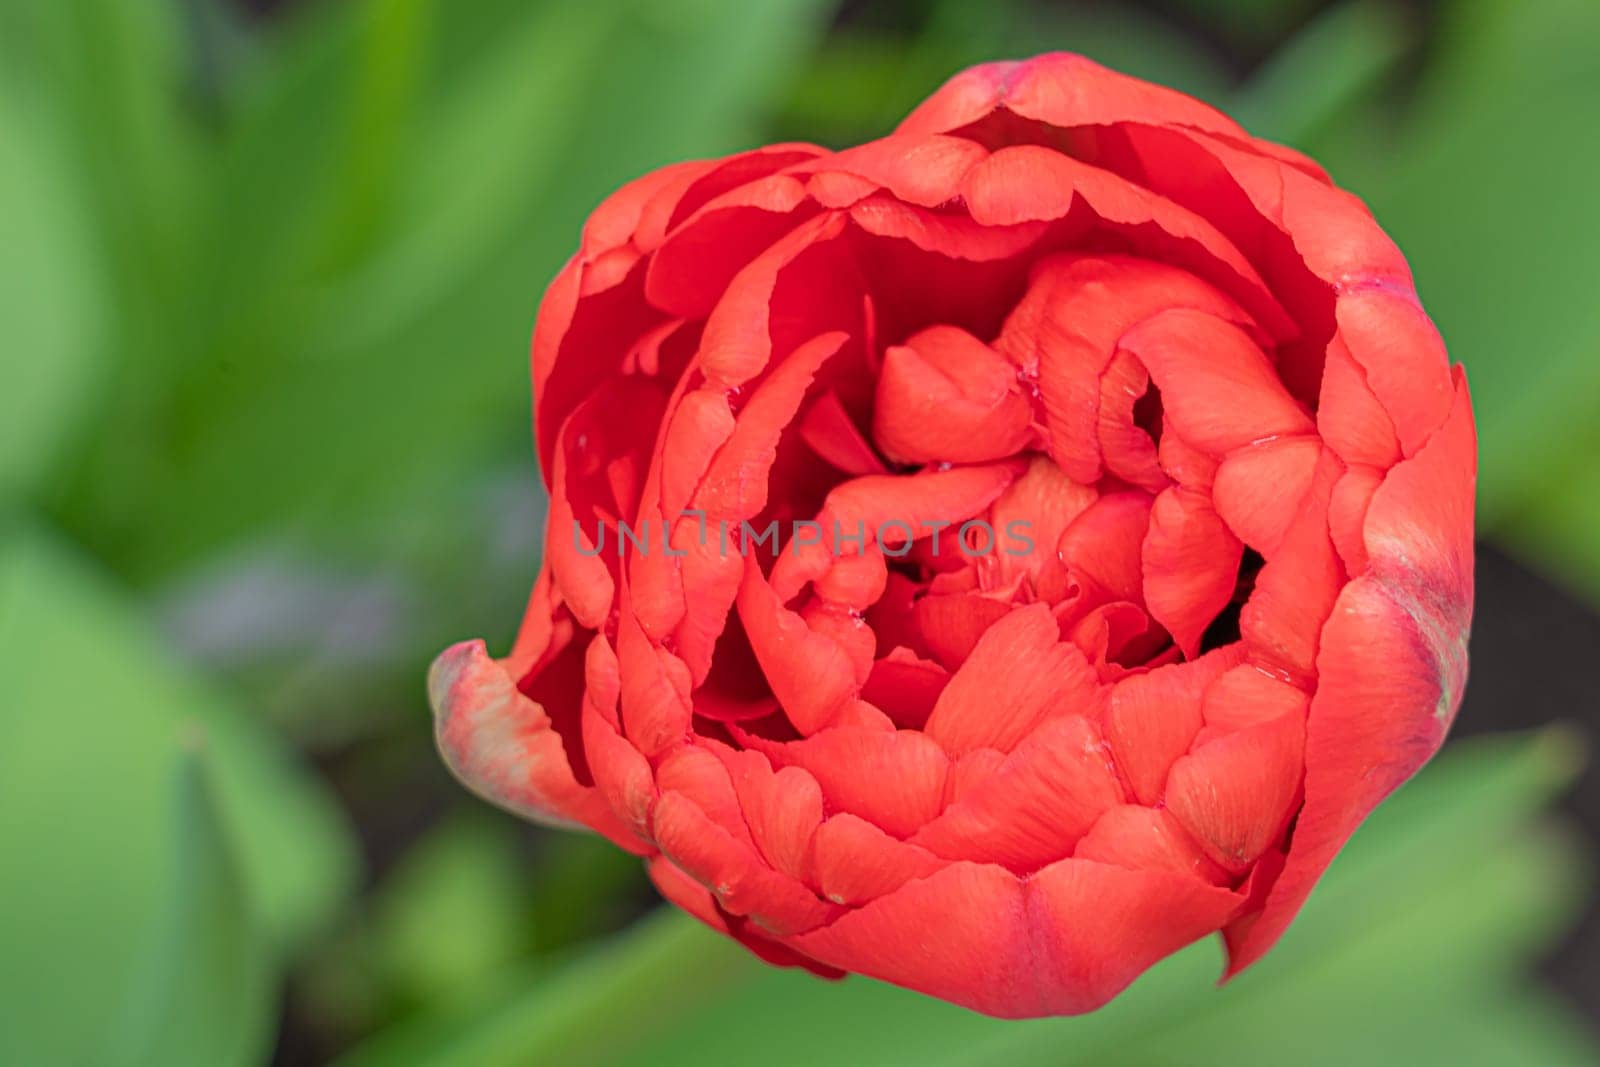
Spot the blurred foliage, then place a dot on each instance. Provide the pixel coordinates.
(264, 449)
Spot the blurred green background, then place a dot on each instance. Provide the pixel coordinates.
(267, 277)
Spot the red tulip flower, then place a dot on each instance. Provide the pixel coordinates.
(990, 558)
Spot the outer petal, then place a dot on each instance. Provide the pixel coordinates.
(1062, 89)
(505, 748)
(1391, 668)
(1061, 942)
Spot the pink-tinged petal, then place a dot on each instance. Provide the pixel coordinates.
(1392, 340)
(828, 430)
(1347, 515)
(1295, 591)
(1392, 664)
(906, 687)
(1259, 489)
(1103, 546)
(925, 171)
(810, 674)
(1349, 417)
(1035, 806)
(738, 879)
(1419, 529)
(1383, 703)
(1236, 794)
(855, 862)
(620, 772)
(953, 624)
(1152, 717)
(656, 706)
(504, 746)
(1022, 948)
(1191, 565)
(783, 809)
(694, 264)
(1019, 672)
(945, 396)
(1151, 839)
(1219, 388)
(1248, 696)
(895, 780)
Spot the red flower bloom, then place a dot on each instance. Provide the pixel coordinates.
(989, 558)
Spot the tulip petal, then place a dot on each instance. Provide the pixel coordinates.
(1219, 388)
(893, 779)
(1236, 794)
(1021, 949)
(945, 396)
(1035, 806)
(810, 673)
(1019, 672)
(1153, 716)
(682, 890)
(1190, 564)
(1259, 489)
(1147, 839)
(855, 862)
(738, 879)
(503, 746)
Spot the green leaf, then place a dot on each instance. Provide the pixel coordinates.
(206, 995)
(1414, 907)
(94, 715)
(450, 915)
(1339, 58)
(363, 300)
(51, 298)
(1488, 188)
